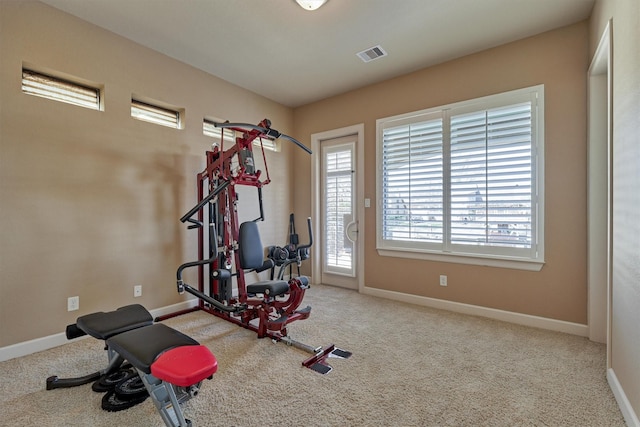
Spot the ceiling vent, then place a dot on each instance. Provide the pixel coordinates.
(372, 53)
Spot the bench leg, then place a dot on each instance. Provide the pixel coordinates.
(168, 398)
(115, 361)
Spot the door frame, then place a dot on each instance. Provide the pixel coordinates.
(599, 199)
(316, 181)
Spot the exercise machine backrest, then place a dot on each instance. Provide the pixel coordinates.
(250, 248)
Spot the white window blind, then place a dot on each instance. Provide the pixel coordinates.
(46, 86)
(491, 177)
(155, 114)
(464, 179)
(413, 181)
(339, 190)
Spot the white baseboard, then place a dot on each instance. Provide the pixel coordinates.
(185, 305)
(51, 341)
(475, 310)
(628, 413)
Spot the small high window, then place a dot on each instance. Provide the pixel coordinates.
(155, 114)
(57, 89)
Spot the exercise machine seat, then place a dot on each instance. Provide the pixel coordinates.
(141, 347)
(252, 258)
(105, 325)
(185, 366)
(269, 287)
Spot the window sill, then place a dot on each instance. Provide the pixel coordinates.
(493, 261)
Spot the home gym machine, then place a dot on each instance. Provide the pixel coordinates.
(227, 250)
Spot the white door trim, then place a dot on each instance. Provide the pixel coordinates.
(599, 192)
(316, 139)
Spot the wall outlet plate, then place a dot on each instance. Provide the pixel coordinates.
(73, 303)
(137, 291)
(443, 280)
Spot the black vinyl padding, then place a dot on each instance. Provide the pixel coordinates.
(103, 325)
(252, 258)
(141, 347)
(250, 246)
(272, 288)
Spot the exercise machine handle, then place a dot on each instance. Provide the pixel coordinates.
(187, 217)
(310, 236)
(268, 132)
(183, 287)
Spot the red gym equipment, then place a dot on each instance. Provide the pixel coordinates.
(147, 359)
(227, 249)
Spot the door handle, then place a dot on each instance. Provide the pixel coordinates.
(348, 231)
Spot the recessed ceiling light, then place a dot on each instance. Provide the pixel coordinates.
(310, 4)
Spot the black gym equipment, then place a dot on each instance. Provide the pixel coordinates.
(163, 363)
(291, 253)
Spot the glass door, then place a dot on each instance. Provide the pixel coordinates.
(338, 210)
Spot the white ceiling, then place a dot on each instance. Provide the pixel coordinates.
(293, 56)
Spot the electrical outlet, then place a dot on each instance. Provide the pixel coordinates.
(137, 291)
(443, 280)
(73, 303)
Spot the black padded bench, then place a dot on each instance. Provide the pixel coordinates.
(171, 364)
(102, 326)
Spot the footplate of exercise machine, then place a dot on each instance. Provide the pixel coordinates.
(318, 362)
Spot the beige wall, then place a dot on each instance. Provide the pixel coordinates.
(90, 201)
(625, 318)
(557, 59)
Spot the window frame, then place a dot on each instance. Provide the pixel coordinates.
(528, 259)
(160, 109)
(61, 89)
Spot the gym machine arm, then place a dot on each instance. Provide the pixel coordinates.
(266, 131)
(195, 223)
(220, 273)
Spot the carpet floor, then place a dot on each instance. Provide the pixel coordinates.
(411, 366)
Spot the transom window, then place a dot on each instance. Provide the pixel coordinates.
(57, 89)
(464, 182)
(156, 114)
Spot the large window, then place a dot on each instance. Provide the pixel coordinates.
(464, 182)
